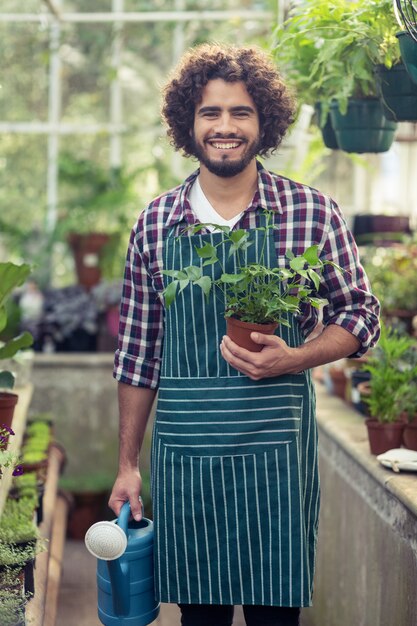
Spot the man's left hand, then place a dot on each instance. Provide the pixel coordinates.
(275, 358)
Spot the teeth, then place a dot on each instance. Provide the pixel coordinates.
(226, 146)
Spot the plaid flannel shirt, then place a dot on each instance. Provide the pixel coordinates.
(304, 217)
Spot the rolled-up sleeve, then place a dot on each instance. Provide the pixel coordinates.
(138, 357)
(351, 303)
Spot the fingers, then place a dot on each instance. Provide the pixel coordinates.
(270, 361)
(136, 508)
(127, 488)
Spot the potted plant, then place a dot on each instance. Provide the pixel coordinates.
(20, 558)
(7, 458)
(392, 272)
(70, 320)
(90, 494)
(255, 297)
(329, 50)
(391, 376)
(11, 276)
(12, 608)
(95, 213)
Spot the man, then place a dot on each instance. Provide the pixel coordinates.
(234, 457)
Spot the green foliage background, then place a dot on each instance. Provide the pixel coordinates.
(85, 53)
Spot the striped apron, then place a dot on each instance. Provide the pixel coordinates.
(234, 462)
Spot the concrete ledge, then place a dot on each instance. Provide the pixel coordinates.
(367, 547)
(346, 428)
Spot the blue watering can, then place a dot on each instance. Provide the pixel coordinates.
(125, 581)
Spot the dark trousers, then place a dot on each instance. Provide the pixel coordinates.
(222, 615)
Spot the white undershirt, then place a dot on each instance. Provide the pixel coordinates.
(204, 211)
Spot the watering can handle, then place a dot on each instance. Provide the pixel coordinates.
(124, 515)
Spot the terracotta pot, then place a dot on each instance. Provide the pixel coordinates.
(410, 435)
(8, 402)
(88, 508)
(239, 332)
(339, 382)
(383, 437)
(86, 250)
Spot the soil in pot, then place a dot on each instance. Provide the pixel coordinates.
(383, 437)
(8, 403)
(239, 332)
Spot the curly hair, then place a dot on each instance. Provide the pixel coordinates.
(273, 100)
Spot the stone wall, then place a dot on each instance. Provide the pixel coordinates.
(81, 394)
(367, 552)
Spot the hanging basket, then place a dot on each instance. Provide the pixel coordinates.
(408, 49)
(364, 128)
(398, 93)
(327, 130)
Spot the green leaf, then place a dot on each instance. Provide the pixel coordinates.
(311, 255)
(6, 380)
(314, 277)
(183, 284)
(193, 272)
(205, 283)
(24, 340)
(3, 318)
(170, 293)
(207, 251)
(318, 302)
(178, 274)
(231, 278)
(297, 263)
(11, 276)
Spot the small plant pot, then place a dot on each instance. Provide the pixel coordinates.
(87, 250)
(88, 508)
(8, 403)
(359, 387)
(239, 332)
(383, 437)
(410, 435)
(338, 382)
(364, 128)
(408, 49)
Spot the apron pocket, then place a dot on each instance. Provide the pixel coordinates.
(230, 416)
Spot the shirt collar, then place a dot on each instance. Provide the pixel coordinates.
(266, 197)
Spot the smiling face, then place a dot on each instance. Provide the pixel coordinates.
(226, 133)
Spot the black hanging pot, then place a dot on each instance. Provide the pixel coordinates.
(398, 93)
(327, 131)
(408, 47)
(364, 127)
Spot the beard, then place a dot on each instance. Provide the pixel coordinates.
(225, 167)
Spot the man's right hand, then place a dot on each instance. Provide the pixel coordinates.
(127, 486)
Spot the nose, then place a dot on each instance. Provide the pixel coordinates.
(225, 124)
